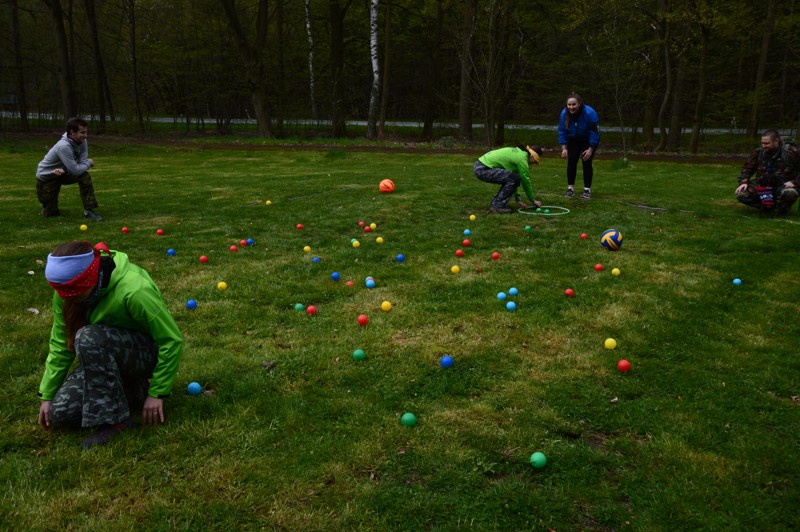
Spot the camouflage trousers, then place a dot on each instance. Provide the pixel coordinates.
(783, 197)
(113, 363)
(508, 181)
(48, 192)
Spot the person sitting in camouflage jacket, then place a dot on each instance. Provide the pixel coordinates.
(770, 177)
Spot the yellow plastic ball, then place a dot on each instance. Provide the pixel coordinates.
(307, 249)
(373, 226)
(386, 306)
(615, 272)
(269, 202)
(84, 227)
(379, 240)
(455, 269)
(222, 285)
(610, 343)
(472, 217)
(356, 243)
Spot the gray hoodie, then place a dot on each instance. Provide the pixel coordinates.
(67, 155)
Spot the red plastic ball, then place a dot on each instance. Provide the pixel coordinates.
(203, 259)
(124, 229)
(466, 243)
(362, 319)
(495, 256)
(598, 267)
(349, 283)
(234, 249)
(459, 253)
(569, 292)
(299, 227)
(367, 229)
(243, 243)
(311, 310)
(584, 236)
(159, 232)
(624, 366)
(361, 224)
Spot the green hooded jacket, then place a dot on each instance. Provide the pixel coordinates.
(514, 160)
(130, 301)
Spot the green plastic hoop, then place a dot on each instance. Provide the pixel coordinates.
(560, 211)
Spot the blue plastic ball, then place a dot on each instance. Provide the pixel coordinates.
(400, 257)
(191, 304)
(446, 361)
(737, 281)
(250, 241)
(316, 259)
(511, 306)
(467, 232)
(513, 291)
(335, 276)
(171, 252)
(501, 296)
(194, 388)
(370, 283)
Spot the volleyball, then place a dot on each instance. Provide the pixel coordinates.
(611, 239)
(387, 186)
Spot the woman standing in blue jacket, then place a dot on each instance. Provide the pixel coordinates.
(579, 135)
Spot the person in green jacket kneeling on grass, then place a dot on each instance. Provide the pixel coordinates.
(111, 314)
(508, 167)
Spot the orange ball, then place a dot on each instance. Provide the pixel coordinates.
(387, 186)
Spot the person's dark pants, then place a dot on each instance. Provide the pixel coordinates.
(575, 148)
(48, 192)
(110, 361)
(508, 181)
(783, 197)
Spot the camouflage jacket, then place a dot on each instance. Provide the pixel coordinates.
(772, 169)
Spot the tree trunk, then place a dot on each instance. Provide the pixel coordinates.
(337, 13)
(465, 93)
(374, 93)
(69, 102)
(752, 126)
(676, 115)
(311, 77)
(387, 48)
(100, 70)
(433, 74)
(281, 87)
(22, 101)
(664, 33)
(131, 8)
(253, 62)
(697, 121)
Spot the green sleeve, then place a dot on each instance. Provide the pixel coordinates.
(59, 358)
(147, 308)
(524, 172)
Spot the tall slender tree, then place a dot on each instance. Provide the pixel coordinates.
(465, 92)
(374, 93)
(69, 101)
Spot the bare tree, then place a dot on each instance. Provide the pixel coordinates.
(311, 77)
(103, 92)
(130, 7)
(22, 102)
(372, 119)
(387, 48)
(69, 101)
(760, 87)
(465, 93)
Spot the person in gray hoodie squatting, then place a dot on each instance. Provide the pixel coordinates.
(66, 163)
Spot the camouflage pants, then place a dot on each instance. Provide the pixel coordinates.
(784, 197)
(110, 361)
(508, 181)
(48, 192)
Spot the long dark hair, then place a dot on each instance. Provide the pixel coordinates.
(580, 102)
(75, 313)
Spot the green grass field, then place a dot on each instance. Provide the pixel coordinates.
(702, 433)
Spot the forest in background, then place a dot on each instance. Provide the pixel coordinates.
(652, 67)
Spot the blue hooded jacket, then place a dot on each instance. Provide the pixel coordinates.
(585, 126)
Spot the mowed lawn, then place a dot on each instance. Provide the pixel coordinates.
(292, 433)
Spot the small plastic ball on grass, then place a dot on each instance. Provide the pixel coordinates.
(222, 285)
(624, 366)
(513, 291)
(125, 230)
(386, 306)
(159, 232)
(191, 304)
(408, 419)
(598, 267)
(362, 320)
(465, 243)
(311, 310)
(538, 460)
(737, 281)
(299, 227)
(234, 249)
(615, 272)
(359, 355)
(299, 307)
(400, 257)
(194, 388)
(511, 306)
(455, 269)
(569, 292)
(501, 296)
(459, 253)
(171, 252)
(446, 361)
(495, 256)
(610, 343)
(84, 227)
(472, 217)
(335, 276)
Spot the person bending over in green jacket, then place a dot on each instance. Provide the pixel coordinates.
(508, 167)
(111, 314)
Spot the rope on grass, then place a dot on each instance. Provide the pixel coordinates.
(540, 211)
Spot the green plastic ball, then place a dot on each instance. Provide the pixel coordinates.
(538, 209)
(299, 307)
(359, 354)
(538, 460)
(527, 227)
(547, 211)
(408, 419)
